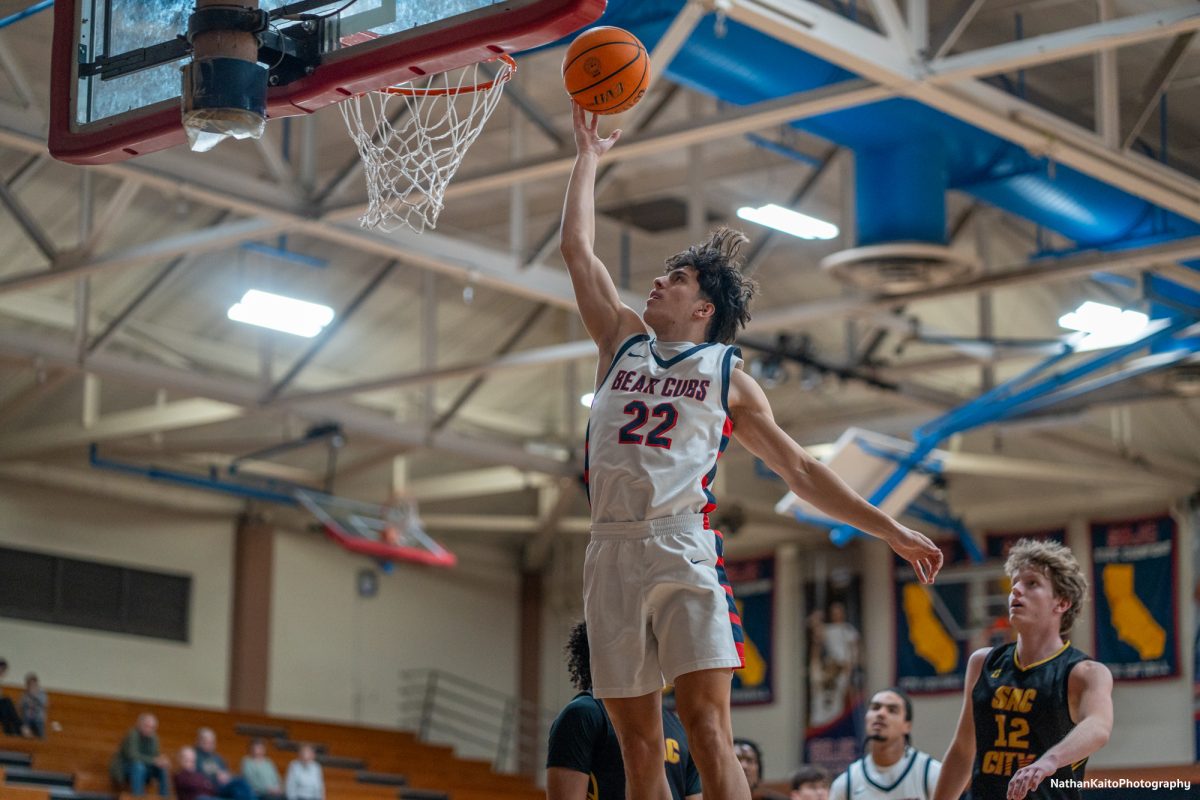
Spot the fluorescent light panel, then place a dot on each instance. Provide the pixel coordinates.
(788, 221)
(279, 313)
(586, 400)
(1105, 325)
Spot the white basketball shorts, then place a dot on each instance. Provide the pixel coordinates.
(656, 604)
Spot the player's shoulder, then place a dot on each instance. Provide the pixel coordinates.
(980, 656)
(583, 707)
(1088, 671)
(837, 790)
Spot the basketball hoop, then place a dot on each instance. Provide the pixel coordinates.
(412, 147)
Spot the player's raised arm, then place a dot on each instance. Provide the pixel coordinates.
(755, 427)
(956, 766)
(606, 318)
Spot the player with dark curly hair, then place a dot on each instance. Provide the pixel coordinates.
(669, 395)
(584, 758)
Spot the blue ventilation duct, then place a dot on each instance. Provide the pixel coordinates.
(907, 154)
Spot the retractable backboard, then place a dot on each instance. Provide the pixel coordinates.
(367, 45)
(864, 460)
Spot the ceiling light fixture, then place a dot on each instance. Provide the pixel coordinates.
(279, 313)
(788, 221)
(1105, 325)
(586, 400)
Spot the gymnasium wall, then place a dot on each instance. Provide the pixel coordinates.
(338, 656)
(335, 655)
(92, 528)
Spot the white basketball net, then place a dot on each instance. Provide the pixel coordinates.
(412, 140)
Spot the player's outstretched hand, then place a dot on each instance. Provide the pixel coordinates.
(1027, 779)
(587, 136)
(920, 551)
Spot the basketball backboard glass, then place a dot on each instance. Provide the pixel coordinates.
(105, 107)
(864, 460)
(390, 532)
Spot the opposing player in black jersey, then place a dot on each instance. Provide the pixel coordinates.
(584, 758)
(1033, 711)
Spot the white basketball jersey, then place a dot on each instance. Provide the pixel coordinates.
(659, 421)
(913, 777)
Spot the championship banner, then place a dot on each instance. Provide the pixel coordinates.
(931, 627)
(1133, 586)
(834, 725)
(754, 592)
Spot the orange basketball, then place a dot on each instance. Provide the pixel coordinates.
(607, 70)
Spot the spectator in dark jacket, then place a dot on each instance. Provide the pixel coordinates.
(10, 721)
(209, 761)
(190, 782)
(138, 760)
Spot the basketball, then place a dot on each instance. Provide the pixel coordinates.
(606, 70)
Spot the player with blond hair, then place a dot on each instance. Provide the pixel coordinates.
(1033, 710)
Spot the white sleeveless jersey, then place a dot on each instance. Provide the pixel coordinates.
(913, 777)
(659, 421)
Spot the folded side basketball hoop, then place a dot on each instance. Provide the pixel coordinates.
(387, 532)
(366, 46)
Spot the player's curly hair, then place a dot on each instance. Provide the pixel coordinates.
(579, 657)
(721, 280)
(1057, 563)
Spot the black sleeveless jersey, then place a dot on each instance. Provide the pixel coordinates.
(1020, 713)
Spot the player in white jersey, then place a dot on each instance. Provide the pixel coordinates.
(668, 394)
(891, 769)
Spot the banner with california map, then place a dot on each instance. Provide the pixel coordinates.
(1133, 587)
(932, 637)
(754, 589)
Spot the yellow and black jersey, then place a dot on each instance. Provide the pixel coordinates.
(1021, 712)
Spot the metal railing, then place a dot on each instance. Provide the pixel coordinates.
(476, 720)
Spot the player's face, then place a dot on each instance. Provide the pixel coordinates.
(1031, 601)
(749, 761)
(885, 717)
(674, 297)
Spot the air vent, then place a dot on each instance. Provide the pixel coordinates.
(899, 267)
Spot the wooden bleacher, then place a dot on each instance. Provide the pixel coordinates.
(92, 728)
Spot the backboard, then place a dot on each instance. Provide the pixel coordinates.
(363, 45)
(864, 460)
(388, 532)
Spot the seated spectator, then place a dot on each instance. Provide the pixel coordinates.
(10, 720)
(810, 783)
(191, 783)
(138, 759)
(33, 707)
(209, 761)
(259, 771)
(304, 778)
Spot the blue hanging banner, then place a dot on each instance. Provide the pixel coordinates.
(931, 625)
(1133, 586)
(754, 589)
